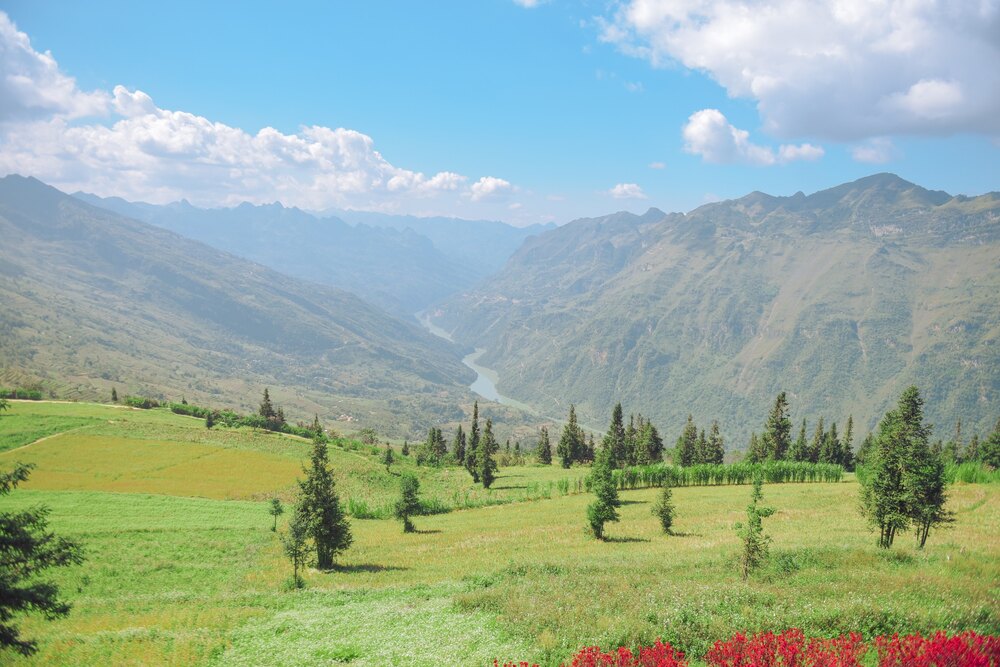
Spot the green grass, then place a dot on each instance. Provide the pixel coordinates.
(183, 580)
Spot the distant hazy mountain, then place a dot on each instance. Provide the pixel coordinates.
(841, 298)
(91, 298)
(399, 267)
(483, 246)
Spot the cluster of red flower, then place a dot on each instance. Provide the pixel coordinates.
(791, 648)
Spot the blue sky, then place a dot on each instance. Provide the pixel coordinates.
(531, 113)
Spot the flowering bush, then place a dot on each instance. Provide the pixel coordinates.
(963, 650)
(657, 655)
(789, 649)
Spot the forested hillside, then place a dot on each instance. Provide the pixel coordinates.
(841, 298)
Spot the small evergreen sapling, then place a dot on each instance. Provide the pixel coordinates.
(295, 541)
(275, 510)
(544, 447)
(409, 502)
(605, 506)
(388, 458)
(664, 509)
(755, 542)
(114, 395)
(488, 446)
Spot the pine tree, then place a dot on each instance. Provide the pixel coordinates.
(544, 447)
(972, 452)
(716, 446)
(778, 430)
(830, 447)
(614, 440)
(275, 510)
(650, 444)
(800, 448)
(328, 526)
(458, 446)
(26, 550)
(702, 454)
(632, 441)
(816, 446)
(409, 502)
(664, 509)
(472, 454)
(405, 449)
(570, 445)
(757, 450)
(861, 458)
(316, 427)
(953, 448)
(604, 507)
(487, 448)
(989, 449)
(847, 446)
(388, 458)
(589, 450)
(210, 420)
(686, 452)
(755, 542)
(924, 482)
(295, 541)
(266, 409)
(114, 395)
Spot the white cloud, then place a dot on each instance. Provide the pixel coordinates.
(627, 191)
(529, 4)
(123, 144)
(836, 69)
(708, 134)
(878, 150)
(657, 165)
(634, 86)
(489, 187)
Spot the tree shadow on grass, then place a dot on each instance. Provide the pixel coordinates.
(634, 502)
(508, 488)
(366, 567)
(626, 540)
(679, 533)
(432, 531)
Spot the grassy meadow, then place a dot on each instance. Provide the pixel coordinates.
(182, 567)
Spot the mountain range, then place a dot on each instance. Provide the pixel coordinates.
(93, 300)
(840, 298)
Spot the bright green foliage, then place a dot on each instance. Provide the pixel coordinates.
(26, 550)
(486, 464)
(472, 451)
(458, 446)
(989, 450)
(755, 542)
(800, 448)
(716, 451)
(649, 445)
(686, 452)
(275, 509)
(433, 450)
(605, 506)
(409, 502)
(544, 451)
(924, 485)
(328, 525)
(777, 437)
(756, 450)
(664, 509)
(571, 443)
(614, 439)
(388, 458)
(295, 541)
(405, 449)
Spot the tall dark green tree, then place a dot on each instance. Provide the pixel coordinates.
(924, 483)
(458, 446)
(544, 450)
(27, 549)
(472, 450)
(716, 446)
(777, 435)
(571, 443)
(328, 525)
(114, 395)
(614, 439)
(650, 444)
(408, 504)
(266, 409)
(702, 454)
(800, 448)
(605, 505)
(488, 447)
(830, 451)
(816, 444)
(847, 445)
(686, 451)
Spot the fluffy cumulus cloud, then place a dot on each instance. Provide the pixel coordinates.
(122, 143)
(878, 150)
(843, 70)
(716, 140)
(627, 191)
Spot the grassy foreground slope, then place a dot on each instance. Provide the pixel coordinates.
(171, 579)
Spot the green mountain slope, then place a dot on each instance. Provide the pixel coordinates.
(841, 298)
(98, 300)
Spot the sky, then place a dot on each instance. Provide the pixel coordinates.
(519, 110)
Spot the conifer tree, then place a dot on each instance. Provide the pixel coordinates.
(614, 440)
(114, 395)
(472, 450)
(664, 509)
(830, 448)
(544, 447)
(989, 449)
(458, 446)
(488, 446)
(388, 458)
(755, 542)
(210, 420)
(702, 454)
(816, 446)
(800, 448)
(571, 443)
(924, 482)
(409, 502)
(589, 450)
(778, 430)
(861, 458)
(295, 541)
(953, 448)
(632, 441)
(605, 506)
(716, 446)
(405, 450)
(27, 548)
(650, 443)
(328, 526)
(686, 452)
(847, 445)
(757, 450)
(266, 409)
(275, 510)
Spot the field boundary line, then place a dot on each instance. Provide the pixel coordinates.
(54, 435)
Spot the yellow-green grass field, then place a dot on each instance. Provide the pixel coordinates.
(182, 567)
